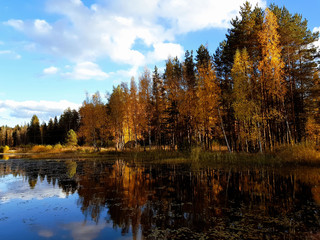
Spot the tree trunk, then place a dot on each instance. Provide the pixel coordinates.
(224, 133)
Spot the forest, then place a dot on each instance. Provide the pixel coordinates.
(259, 90)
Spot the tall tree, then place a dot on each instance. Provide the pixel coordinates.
(34, 134)
(145, 114)
(299, 55)
(208, 94)
(117, 115)
(94, 121)
(134, 109)
(158, 108)
(271, 80)
(242, 34)
(189, 101)
(172, 84)
(246, 106)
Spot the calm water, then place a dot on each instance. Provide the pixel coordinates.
(68, 199)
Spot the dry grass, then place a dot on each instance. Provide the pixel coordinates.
(300, 153)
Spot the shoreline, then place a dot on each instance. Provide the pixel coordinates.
(285, 157)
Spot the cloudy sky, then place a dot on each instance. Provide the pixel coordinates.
(54, 51)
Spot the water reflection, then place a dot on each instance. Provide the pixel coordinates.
(4, 157)
(172, 201)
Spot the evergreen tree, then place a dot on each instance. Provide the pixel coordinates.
(189, 101)
(33, 133)
(172, 84)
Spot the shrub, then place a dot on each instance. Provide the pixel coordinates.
(41, 148)
(4, 149)
(57, 147)
(49, 148)
(72, 139)
(195, 153)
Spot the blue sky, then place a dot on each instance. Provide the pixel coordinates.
(54, 51)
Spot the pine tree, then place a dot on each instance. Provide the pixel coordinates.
(172, 84)
(34, 134)
(189, 101)
(158, 105)
(299, 55)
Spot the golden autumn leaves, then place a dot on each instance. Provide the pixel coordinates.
(244, 87)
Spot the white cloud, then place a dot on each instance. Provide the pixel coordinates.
(190, 15)
(164, 50)
(110, 29)
(124, 74)
(16, 23)
(86, 71)
(43, 109)
(50, 70)
(41, 26)
(10, 54)
(316, 29)
(5, 52)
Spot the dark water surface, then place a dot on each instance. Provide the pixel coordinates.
(69, 199)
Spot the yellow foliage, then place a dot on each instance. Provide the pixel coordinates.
(41, 148)
(208, 93)
(271, 65)
(313, 130)
(4, 149)
(57, 147)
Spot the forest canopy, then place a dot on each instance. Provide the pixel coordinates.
(258, 90)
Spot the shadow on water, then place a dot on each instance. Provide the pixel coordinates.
(166, 201)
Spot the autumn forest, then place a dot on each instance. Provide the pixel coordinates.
(258, 90)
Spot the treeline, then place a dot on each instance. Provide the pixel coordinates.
(35, 133)
(260, 89)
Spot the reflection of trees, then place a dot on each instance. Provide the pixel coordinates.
(169, 197)
(157, 198)
(54, 172)
(122, 188)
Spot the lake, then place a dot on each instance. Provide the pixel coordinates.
(117, 199)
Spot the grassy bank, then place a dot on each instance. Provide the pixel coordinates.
(287, 154)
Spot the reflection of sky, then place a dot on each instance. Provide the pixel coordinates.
(18, 188)
(45, 212)
(81, 231)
